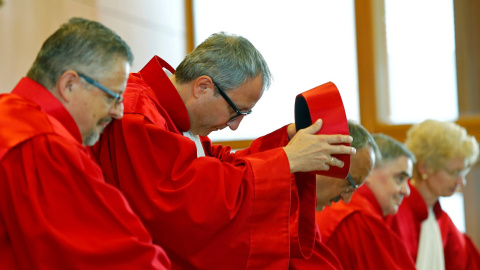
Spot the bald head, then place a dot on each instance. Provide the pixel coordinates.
(330, 189)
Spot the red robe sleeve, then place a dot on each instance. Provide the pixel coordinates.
(302, 211)
(56, 212)
(222, 211)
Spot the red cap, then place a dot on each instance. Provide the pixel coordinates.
(324, 102)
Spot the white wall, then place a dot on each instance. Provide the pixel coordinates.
(148, 26)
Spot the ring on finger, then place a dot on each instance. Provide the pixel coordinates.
(331, 160)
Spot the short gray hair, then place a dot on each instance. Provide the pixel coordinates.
(362, 138)
(80, 44)
(229, 60)
(391, 149)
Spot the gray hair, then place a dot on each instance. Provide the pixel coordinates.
(391, 149)
(229, 60)
(82, 45)
(362, 138)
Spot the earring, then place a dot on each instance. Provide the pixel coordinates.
(424, 176)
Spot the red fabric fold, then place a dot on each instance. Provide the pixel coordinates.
(56, 210)
(222, 211)
(358, 235)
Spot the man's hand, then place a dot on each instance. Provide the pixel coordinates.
(291, 131)
(309, 152)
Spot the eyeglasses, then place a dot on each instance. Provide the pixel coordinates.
(230, 102)
(457, 173)
(353, 187)
(117, 97)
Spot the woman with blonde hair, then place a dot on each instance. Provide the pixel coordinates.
(445, 153)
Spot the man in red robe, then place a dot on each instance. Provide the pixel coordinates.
(356, 232)
(445, 153)
(330, 189)
(208, 207)
(56, 211)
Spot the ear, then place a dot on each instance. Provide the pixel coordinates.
(202, 85)
(423, 168)
(65, 85)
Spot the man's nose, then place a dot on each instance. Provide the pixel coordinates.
(233, 125)
(404, 189)
(116, 111)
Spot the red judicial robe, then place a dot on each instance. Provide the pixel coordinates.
(56, 211)
(459, 250)
(322, 257)
(222, 211)
(358, 235)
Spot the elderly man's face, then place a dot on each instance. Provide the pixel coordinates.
(91, 108)
(331, 189)
(389, 183)
(211, 112)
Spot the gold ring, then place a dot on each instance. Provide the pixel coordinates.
(331, 160)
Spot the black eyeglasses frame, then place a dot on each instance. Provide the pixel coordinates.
(230, 102)
(353, 187)
(117, 97)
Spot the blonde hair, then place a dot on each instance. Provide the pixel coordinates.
(435, 142)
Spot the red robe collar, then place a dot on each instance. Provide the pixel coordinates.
(368, 202)
(362, 200)
(35, 92)
(165, 92)
(419, 207)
